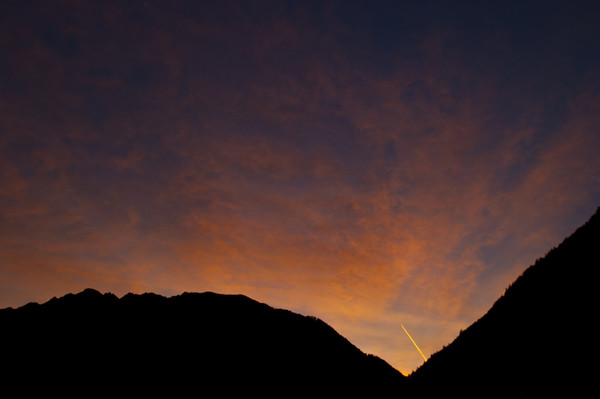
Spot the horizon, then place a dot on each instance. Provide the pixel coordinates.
(241, 294)
(376, 165)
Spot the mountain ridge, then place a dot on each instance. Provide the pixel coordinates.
(524, 345)
(219, 341)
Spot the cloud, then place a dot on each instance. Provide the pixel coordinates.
(371, 175)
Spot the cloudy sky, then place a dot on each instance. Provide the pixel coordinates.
(370, 163)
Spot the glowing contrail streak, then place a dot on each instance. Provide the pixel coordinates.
(413, 341)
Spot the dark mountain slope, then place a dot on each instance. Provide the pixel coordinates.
(536, 340)
(216, 345)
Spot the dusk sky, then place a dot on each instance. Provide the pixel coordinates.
(369, 163)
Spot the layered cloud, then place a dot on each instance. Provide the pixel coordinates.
(339, 160)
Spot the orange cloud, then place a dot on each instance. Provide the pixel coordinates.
(305, 167)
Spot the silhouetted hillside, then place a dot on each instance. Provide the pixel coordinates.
(536, 340)
(197, 344)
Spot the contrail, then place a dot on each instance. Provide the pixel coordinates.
(413, 341)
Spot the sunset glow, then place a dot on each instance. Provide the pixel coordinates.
(363, 162)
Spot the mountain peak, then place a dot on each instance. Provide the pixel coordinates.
(90, 292)
(190, 343)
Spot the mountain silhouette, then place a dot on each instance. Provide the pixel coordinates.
(195, 343)
(536, 340)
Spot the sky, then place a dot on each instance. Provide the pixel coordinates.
(369, 163)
